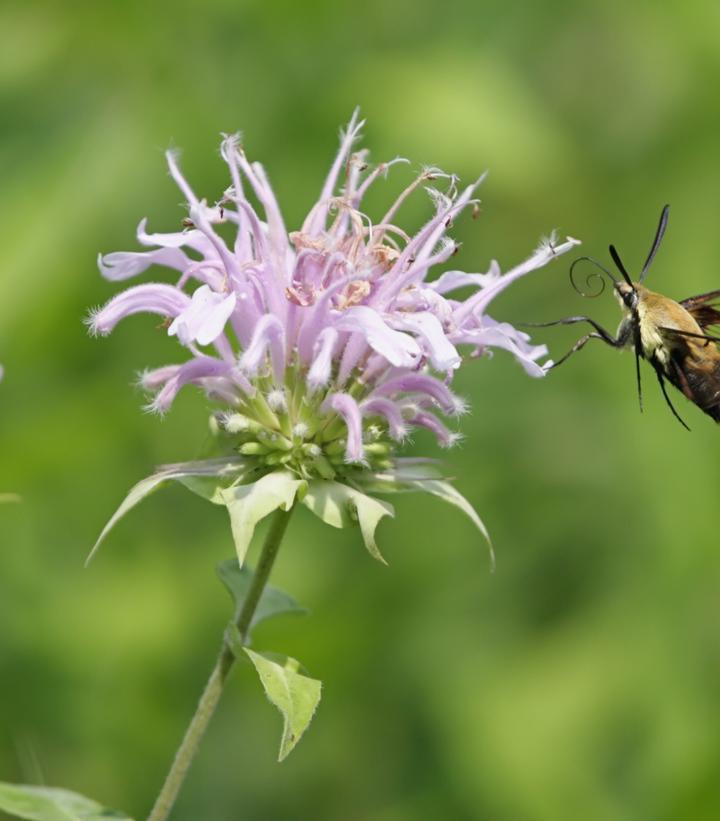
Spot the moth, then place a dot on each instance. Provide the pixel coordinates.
(672, 336)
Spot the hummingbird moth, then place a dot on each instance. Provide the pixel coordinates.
(672, 336)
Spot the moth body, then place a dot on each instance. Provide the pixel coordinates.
(672, 336)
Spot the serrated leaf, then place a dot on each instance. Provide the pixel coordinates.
(248, 504)
(181, 472)
(295, 695)
(339, 505)
(273, 602)
(52, 804)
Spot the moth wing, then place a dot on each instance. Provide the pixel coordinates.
(702, 309)
(694, 369)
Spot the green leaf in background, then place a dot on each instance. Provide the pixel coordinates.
(52, 804)
(341, 506)
(273, 602)
(183, 472)
(248, 504)
(295, 695)
(9, 497)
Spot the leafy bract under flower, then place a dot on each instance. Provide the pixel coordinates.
(234, 483)
(324, 346)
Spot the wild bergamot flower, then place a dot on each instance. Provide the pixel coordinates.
(323, 348)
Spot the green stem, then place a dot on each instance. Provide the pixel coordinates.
(226, 660)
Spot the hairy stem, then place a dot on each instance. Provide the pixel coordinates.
(226, 660)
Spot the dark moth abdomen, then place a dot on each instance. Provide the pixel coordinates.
(694, 369)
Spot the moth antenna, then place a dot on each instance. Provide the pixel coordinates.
(616, 259)
(662, 225)
(590, 277)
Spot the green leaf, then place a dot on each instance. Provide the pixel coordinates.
(184, 472)
(295, 695)
(341, 506)
(207, 487)
(416, 468)
(399, 477)
(52, 804)
(444, 490)
(248, 504)
(9, 497)
(273, 602)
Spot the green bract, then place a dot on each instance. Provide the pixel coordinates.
(251, 491)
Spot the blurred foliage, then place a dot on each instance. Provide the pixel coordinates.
(581, 680)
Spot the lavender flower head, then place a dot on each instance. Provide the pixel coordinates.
(324, 347)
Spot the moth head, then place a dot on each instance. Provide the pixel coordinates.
(627, 295)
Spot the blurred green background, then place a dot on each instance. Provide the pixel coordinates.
(582, 679)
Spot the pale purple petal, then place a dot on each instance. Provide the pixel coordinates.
(417, 298)
(276, 225)
(219, 389)
(321, 368)
(442, 354)
(200, 214)
(156, 378)
(190, 372)
(398, 348)
(380, 406)
(269, 335)
(347, 407)
(479, 302)
(422, 384)
(317, 316)
(275, 276)
(154, 298)
(121, 265)
(191, 238)
(375, 369)
(504, 336)
(204, 319)
(316, 219)
(419, 269)
(430, 422)
(419, 247)
(452, 280)
(174, 240)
